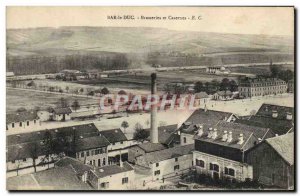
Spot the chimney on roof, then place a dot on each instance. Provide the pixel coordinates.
(274, 114)
(210, 130)
(229, 136)
(154, 128)
(214, 134)
(225, 136)
(259, 139)
(200, 130)
(276, 135)
(289, 116)
(241, 139)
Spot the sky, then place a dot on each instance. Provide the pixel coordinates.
(238, 20)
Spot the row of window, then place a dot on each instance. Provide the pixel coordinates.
(93, 162)
(215, 167)
(176, 160)
(21, 124)
(93, 152)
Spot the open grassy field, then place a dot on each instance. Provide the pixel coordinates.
(28, 99)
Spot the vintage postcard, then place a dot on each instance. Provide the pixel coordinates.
(150, 98)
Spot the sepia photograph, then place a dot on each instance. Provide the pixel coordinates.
(158, 98)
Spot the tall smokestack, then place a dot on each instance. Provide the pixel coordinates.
(154, 129)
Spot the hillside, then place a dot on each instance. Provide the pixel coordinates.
(47, 41)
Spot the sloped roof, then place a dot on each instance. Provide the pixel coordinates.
(284, 146)
(158, 156)
(114, 135)
(91, 143)
(66, 110)
(78, 166)
(266, 111)
(277, 126)
(85, 130)
(207, 118)
(112, 169)
(224, 93)
(25, 150)
(21, 117)
(250, 135)
(201, 95)
(51, 179)
(151, 147)
(165, 133)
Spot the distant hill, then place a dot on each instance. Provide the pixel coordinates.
(58, 41)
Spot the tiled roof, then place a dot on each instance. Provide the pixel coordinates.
(151, 147)
(277, 126)
(51, 179)
(112, 169)
(114, 135)
(62, 110)
(284, 146)
(166, 134)
(21, 117)
(91, 143)
(207, 118)
(85, 130)
(266, 110)
(201, 95)
(250, 135)
(78, 166)
(158, 156)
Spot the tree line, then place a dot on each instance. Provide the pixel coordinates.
(54, 64)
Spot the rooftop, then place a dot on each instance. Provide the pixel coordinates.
(169, 153)
(114, 135)
(109, 170)
(166, 134)
(207, 118)
(51, 179)
(21, 117)
(151, 147)
(284, 146)
(91, 143)
(250, 135)
(66, 110)
(78, 166)
(266, 110)
(201, 95)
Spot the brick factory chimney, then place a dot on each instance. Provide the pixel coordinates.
(154, 129)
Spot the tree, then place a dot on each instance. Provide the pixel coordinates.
(22, 109)
(122, 92)
(75, 105)
(167, 88)
(62, 103)
(48, 147)
(67, 89)
(225, 84)
(233, 86)
(199, 87)
(125, 125)
(31, 84)
(140, 134)
(81, 90)
(91, 93)
(104, 91)
(34, 154)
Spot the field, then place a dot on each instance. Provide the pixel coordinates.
(141, 81)
(28, 99)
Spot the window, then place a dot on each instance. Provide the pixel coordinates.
(214, 167)
(27, 123)
(176, 159)
(121, 142)
(34, 121)
(99, 162)
(229, 171)
(176, 167)
(200, 163)
(82, 154)
(104, 185)
(113, 143)
(103, 162)
(87, 153)
(157, 164)
(157, 172)
(184, 140)
(125, 180)
(24, 160)
(91, 162)
(6, 127)
(93, 152)
(13, 161)
(20, 124)
(13, 125)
